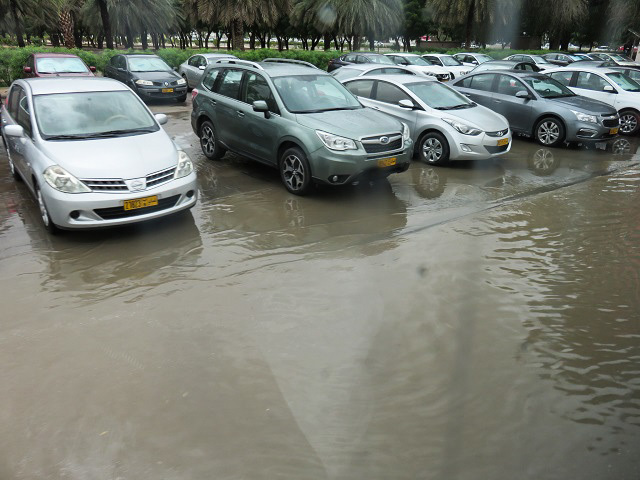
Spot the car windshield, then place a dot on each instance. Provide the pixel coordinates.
(621, 58)
(483, 58)
(314, 93)
(548, 87)
(439, 96)
(624, 82)
(450, 61)
(575, 58)
(419, 61)
(61, 65)
(91, 115)
(150, 64)
(539, 59)
(379, 59)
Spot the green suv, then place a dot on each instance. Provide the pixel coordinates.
(298, 119)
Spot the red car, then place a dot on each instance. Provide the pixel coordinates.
(56, 65)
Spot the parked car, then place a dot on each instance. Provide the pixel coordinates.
(56, 65)
(607, 85)
(92, 154)
(472, 59)
(562, 59)
(539, 106)
(298, 119)
(539, 61)
(444, 124)
(192, 69)
(367, 69)
(449, 63)
(632, 73)
(585, 56)
(357, 57)
(419, 65)
(506, 65)
(618, 59)
(147, 75)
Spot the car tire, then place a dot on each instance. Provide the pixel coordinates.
(182, 98)
(549, 132)
(433, 148)
(188, 86)
(629, 122)
(12, 168)
(44, 213)
(295, 171)
(209, 142)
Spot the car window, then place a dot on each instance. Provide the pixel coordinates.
(256, 88)
(209, 78)
(388, 93)
(148, 64)
(61, 65)
(439, 96)
(14, 96)
(378, 59)
(114, 61)
(397, 60)
(361, 88)
(448, 61)
(24, 117)
(525, 66)
(397, 71)
(624, 82)
(564, 77)
(508, 85)
(465, 82)
(350, 58)
(361, 59)
(482, 82)
(30, 62)
(591, 81)
(122, 62)
(229, 86)
(193, 61)
(376, 71)
(314, 93)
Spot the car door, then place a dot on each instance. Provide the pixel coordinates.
(518, 111)
(433, 60)
(193, 71)
(592, 85)
(386, 97)
(260, 132)
(229, 108)
(478, 88)
(14, 144)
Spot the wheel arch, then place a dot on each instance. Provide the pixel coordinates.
(200, 120)
(548, 115)
(424, 131)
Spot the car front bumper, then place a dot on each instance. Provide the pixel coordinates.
(479, 147)
(94, 210)
(589, 132)
(156, 93)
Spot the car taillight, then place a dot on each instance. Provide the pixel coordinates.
(194, 94)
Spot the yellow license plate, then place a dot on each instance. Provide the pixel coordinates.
(503, 141)
(613, 131)
(387, 162)
(140, 203)
(167, 90)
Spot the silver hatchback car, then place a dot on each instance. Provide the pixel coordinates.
(92, 153)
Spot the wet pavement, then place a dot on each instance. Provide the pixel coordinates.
(467, 322)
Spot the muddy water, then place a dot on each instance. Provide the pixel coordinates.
(475, 321)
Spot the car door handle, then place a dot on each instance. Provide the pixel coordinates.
(240, 114)
(497, 101)
(375, 108)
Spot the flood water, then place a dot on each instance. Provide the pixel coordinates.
(477, 321)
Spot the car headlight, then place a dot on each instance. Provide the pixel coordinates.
(431, 74)
(185, 167)
(63, 181)
(144, 82)
(463, 127)
(406, 133)
(584, 117)
(182, 81)
(334, 142)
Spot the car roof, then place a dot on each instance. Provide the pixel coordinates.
(403, 54)
(274, 69)
(362, 53)
(53, 55)
(43, 86)
(516, 73)
(215, 55)
(397, 78)
(576, 66)
(139, 55)
(437, 54)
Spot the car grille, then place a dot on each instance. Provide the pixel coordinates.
(119, 185)
(161, 177)
(494, 149)
(374, 145)
(114, 213)
(499, 133)
(610, 121)
(443, 77)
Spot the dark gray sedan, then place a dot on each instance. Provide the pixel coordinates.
(536, 105)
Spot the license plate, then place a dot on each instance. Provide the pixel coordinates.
(613, 131)
(387, 162)
(503, 141)
(140, 203)
(167, 90)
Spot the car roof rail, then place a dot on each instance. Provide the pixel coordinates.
(235, 61)
(290, 60)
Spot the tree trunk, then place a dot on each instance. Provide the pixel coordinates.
(55, 40)
(145, 41)
(356, 41)
(469, 24)
(66, 26)
(77, 32)
(17, 23)
(129, 34)
(100, 42)
(327, 41)
(237, 34)
(372, 43)
(252, 40)
(106, 22)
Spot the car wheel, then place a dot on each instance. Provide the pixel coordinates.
(209, 142)
(433, 148)
(549, 132)
(295, 171)
(44, 213)
(629, 122)
(12, 168)
(182, 98)
(185, 79)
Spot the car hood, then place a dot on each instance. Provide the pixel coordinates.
(133, 156)
(585, 104)
(478, 116)
(170, 76)
(354, 124)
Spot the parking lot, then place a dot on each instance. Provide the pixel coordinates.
(443, 324)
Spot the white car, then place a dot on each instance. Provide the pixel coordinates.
(417, 64)
(539, 61)
(608, 86)
(618, 59)
(448, 62)
(194, 67)
(444, 124)
(472, 59)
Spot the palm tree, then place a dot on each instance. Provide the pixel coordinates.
(463, 12)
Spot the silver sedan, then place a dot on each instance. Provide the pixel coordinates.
(92, 153)
(194, 67)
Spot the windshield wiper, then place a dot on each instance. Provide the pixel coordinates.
(457, 107)
(117, 133)
(327, 110)
(67, 137)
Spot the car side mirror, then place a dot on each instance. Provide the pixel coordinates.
(523, 94)
(261, 106)
(13, 131)
(474, 62)
(408, 104)
(120, 69)
(609, 89)
(92, 69)
(26, 69)
(202, 67)
(161, 118)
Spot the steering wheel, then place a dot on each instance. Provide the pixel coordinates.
(113, 118)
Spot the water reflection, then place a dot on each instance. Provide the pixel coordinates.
(543, 162)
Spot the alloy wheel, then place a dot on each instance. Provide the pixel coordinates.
(293, 172)
(548, 132)
(432, 150)
(43, 209)
(628, 123)
(543, 159)
(208, 140)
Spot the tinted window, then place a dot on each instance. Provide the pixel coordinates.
(193, 61)
(563, 77)
(361, 59)
(509, 86)
(24, 117)
(256, 88)
(591, 81)
(209, 79)
(361, 88)
(114, 61)
(229, 86)
(482, 82)
(390, 93)
(13, 100)
(376, 59)
(121, 62)
(349, 58)
(465, 82)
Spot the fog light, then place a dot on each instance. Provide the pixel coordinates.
(74, 214)
(465, 148)
(335, 178)
(190, 193)
(587, 132)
